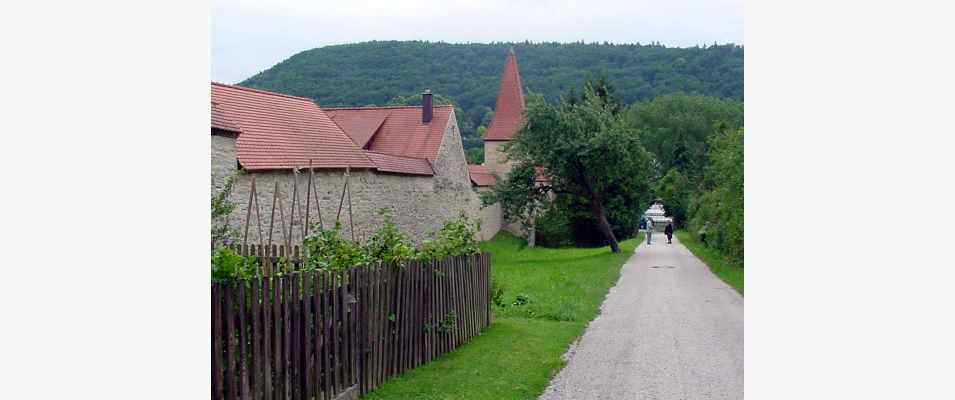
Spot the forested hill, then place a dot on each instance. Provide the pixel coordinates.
(372, 73)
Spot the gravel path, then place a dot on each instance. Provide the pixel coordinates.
(669, 329)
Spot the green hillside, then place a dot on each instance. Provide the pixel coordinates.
(374, 73)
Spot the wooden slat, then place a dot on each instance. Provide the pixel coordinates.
(243, 359)
(336, 354)
(489, 273)
(294, 352)
(405, 319)
(356, 332)
(454, 302)
(306, 337)
(456, 290)
(432, 292)
(317, 366)
(412, 332)
(216, 342)
(409, 318)
(266, 339)
(352, 332)
(327, 321)
(463, 302)
(419, 314)
(475, 300)
(255, 322)
(363, 331)
(392, 326)
(442, 281)
(346, 331)
(278, 382)
(382, 310)
(287, 337)
(468, 297)
(230, 376)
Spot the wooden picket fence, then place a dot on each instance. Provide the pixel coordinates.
(317, 335)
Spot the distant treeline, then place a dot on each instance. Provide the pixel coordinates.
(375, 73)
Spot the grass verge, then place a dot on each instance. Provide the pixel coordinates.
(549, 297)
(729, 272)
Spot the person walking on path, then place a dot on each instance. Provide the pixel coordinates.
(669, 232)
(649, 230)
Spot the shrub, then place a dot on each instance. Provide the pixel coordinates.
(388, 244)
(328, 250)
(497, 293)
(228, 265)
(717, 212)
(552, 228)
(222, 207)
(456, 238)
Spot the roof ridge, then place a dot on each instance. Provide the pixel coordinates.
(381, 107)
(264, 92)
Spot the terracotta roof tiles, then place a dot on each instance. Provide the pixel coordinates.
(399, 164)
(394, 130)
(220, 121)
(509, 109)
(481, 176)
(279, 131)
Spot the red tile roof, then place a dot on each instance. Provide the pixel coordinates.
(220, 121)
(399, 164)
(279, 131)
(481, 176)
(394, 130)
(509, 110)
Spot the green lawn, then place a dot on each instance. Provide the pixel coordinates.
(550, 295)
(729, 272)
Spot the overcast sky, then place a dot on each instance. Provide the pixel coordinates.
(249, 37)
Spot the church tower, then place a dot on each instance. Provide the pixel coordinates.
(508, 116)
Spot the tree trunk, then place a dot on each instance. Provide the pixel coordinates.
(598, 208)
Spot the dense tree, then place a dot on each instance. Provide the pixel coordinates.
(374, 72)
(589, 153)
(674, 189)
(717, 212)
(675, 128)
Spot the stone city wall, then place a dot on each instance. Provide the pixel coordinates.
(419, 204)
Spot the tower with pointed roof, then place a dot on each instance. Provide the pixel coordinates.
(508, 116)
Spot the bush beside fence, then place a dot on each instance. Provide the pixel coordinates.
(321, 335)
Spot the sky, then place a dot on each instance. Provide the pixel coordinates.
(251, 36)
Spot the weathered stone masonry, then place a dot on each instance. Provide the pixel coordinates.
(419, 204)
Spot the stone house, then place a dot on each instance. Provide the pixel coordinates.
(406, 159)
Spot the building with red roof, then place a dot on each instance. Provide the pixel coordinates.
(407, 159)
(508, 117)
(507, 121)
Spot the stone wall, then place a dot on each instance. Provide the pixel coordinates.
(419, 204)
(491, 218)
(495, 159)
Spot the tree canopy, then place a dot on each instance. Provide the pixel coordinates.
(717, 211)
(588, 152)
(676, 127)
(374, 72)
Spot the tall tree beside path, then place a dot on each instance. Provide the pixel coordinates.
(676, 129)
(718, 210)
(585, 149)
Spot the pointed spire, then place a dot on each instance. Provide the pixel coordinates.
(509, 109)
